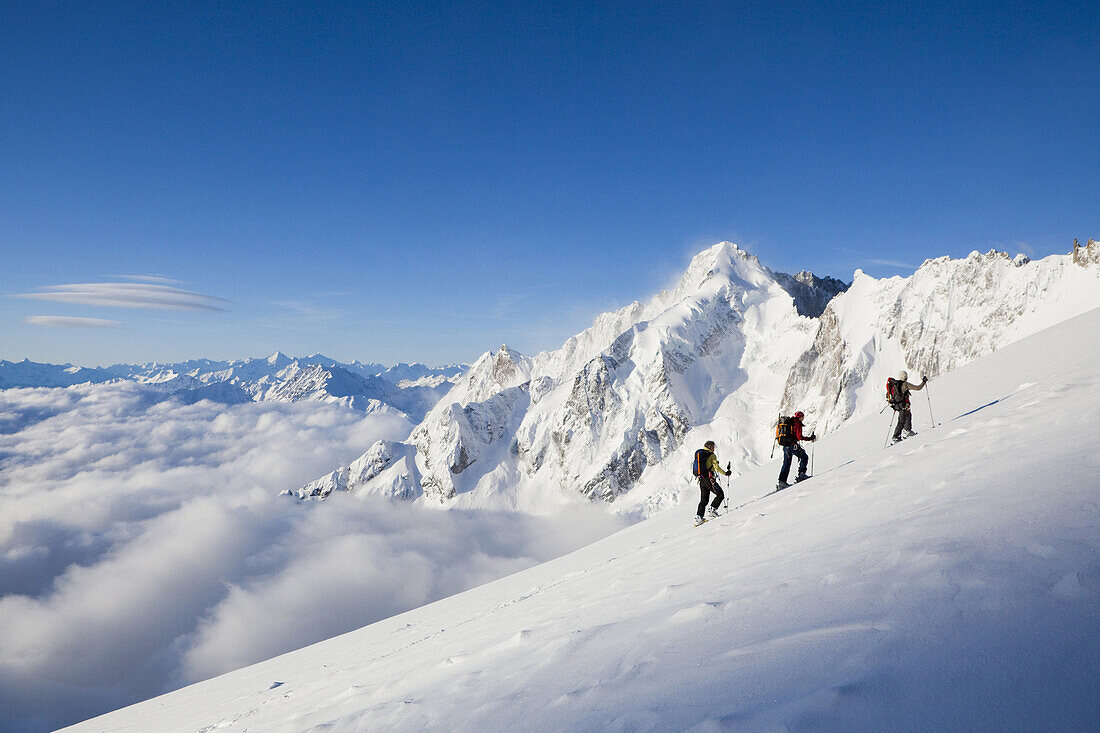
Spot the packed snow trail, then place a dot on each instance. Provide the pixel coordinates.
(951, 582)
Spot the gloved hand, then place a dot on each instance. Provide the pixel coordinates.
(923, 380)
(727, 467)
(813, 436)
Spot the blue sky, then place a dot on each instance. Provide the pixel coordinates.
(422, 182)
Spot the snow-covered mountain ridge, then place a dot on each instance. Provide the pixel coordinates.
(947, 583)
(409, 388)
(614, 414)
(948, 313)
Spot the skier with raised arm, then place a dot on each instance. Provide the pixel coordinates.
(788, 433)
(705, 466)
(897, 395)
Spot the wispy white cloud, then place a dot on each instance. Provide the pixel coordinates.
(128, 295)
(70, 322)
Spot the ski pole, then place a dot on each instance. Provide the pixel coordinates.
(889, 430)
(727, 507)
(929, 396)
(776, 438)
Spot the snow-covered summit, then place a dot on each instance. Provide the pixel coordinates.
(279, 360)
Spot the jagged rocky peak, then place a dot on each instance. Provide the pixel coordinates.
(1089, 254)
(811, 293)
(975, 258)
(504, 365)
(492, 373)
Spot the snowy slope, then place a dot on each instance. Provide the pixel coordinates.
(951, 582)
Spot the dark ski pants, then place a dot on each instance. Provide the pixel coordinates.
(789, 452)
(905, 421)
(708, 485)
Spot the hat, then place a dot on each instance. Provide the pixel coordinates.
(798, 415)
(903, 375)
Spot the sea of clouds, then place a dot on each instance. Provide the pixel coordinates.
(143, 545)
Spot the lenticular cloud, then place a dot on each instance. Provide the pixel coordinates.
(142, 544)
(70, 322)
(129, 295)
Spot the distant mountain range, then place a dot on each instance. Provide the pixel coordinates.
(411, 389)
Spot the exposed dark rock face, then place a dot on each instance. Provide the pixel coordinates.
(811, 293)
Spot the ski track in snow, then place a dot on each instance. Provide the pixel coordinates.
(950, 582)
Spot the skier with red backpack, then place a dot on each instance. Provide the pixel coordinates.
(897, 396)
(705, 466)
(788, 433)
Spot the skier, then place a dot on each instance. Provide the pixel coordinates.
(789, 433)
(705, 466)
(897, 393)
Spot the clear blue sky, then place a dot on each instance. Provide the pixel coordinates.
(424, 181)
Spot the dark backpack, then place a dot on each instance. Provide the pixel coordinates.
(894, 394)
(699, 465)
(784, 430)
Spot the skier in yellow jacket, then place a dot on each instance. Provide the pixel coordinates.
(705, 467)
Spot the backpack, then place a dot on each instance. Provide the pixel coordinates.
(699, 465)
(894, 395)
(784, 430)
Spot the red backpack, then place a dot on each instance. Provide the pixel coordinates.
(894, 394)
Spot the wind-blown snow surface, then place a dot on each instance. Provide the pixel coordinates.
(951, 582)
